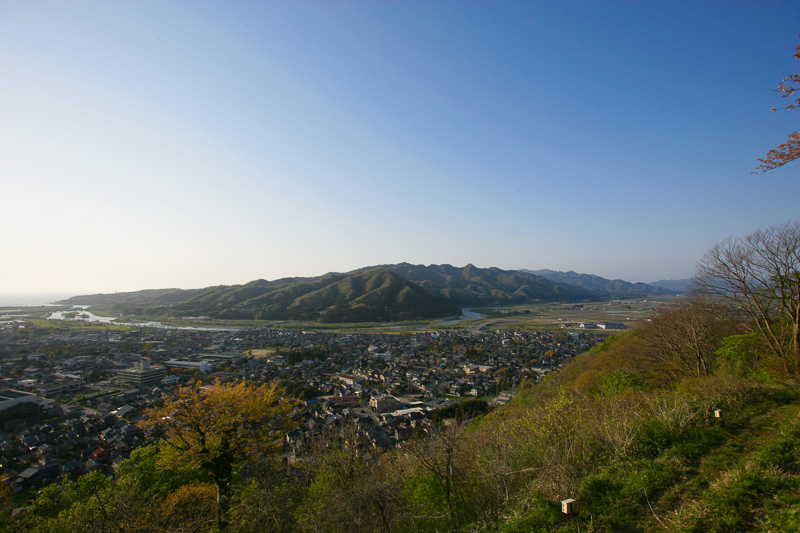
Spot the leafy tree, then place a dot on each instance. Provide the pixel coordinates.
(214, 427)
(269, 497)
(148, 481)
(186, 508)
(618, 381)
(761, 274)
(790, 150)
(95, 375)
(6, 501)
(298, 389)
(461, 410)
(144, 495)
(741, 354)
(28, 411)
(83, 504)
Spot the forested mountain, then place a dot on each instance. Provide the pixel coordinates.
(378, 293)
(471, 285)
(374, 295)
(616, 288)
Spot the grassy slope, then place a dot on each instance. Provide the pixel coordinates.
(739, 476)
(682, 470)
(749, 480)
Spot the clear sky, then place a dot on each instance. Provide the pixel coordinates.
(156, 144)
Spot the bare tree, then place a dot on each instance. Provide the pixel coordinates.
(353, 487)
(690, 334)
(761, 274)
(444, 457)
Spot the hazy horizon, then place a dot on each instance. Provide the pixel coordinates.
(189, 144)
(36, 298)
(33, 299)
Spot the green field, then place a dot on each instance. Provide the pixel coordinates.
(549, 316)
(529, 317)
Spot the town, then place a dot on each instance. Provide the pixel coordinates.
(71, 398)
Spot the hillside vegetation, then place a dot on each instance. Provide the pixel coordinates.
(373, 294)
(473, 286)
(377, 295)
(627, 429)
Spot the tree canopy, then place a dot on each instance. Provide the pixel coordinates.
(790, 150)
(213, 427)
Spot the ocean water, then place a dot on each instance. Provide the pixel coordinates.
(15, 299)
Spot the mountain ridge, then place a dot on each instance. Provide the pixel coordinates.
(395, 292)
(681, 286)
(616, 288)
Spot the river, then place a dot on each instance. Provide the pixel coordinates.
(466, 314)
(84, 315)
(80, 313)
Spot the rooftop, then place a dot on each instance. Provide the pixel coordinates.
(13, 394)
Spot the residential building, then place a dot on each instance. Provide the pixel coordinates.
(143, 374)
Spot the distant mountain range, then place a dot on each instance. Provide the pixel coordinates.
(371, 294)
(681, 286)
(615, 288)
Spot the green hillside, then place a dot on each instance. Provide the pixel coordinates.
(372, 294)
(629, 430)
(377, 295)
(473, 286)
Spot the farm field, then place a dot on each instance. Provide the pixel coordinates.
(539, 317)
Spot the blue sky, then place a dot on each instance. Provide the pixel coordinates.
(187, 144)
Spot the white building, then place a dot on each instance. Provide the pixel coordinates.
(143, 374)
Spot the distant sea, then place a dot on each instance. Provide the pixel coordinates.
(14, 299)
